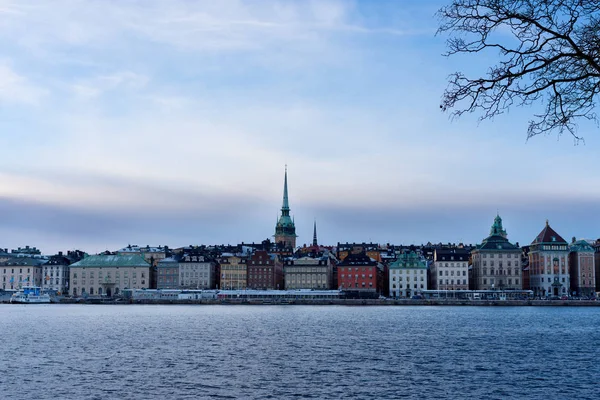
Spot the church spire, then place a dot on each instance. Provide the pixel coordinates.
(315, 243)
(285, 208)
(285, 229)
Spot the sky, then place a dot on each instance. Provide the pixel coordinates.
(170, 123)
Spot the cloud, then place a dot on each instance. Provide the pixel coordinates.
(96, 86)
(17, 89)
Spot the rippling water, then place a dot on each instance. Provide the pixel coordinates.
(228, 352)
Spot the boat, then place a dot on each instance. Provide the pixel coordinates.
(30, 295)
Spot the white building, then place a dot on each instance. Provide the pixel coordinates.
(56, 271)
(407, 275)
(21, 271)
(450, 269)
(197, 272)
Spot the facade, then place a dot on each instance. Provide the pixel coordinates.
(582, 269)
(21, 271)
(151, 254)
(234, 272)
(197, 271)
(167, 271)
(285, 229)
(309, 272)
(497, 262)
(407, 275)
(450, 269)
(358, 271)
(549, 264)
(108, 274)
(265, 271)
(56, 271)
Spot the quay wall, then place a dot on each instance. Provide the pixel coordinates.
(354, 302)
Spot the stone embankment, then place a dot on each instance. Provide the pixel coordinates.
(351, 302)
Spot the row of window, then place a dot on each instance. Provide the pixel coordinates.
(508, 271)
(125, 281)
(168, 271)
(464, 273)
(492, 255)
(501, 281)
(400, 286)
(407, 279)
(414, 271)
(439, 264)
(91, 291)
(108, 275)
(356, 285)
(12, 270)
(464, 282)
(508, 263)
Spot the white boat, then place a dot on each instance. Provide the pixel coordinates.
(30, 294)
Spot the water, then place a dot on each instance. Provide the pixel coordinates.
(321, 352)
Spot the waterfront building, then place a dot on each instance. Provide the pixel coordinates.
(450, 269)
(358, 271)
(21, 271)
(151, 254)
(549, 264)
(167, 271)
(582, 268)
(265, 271)
(56, 271)
(497, 262)
(285, 229)
(234, 272)
(407, 275)
(309, 272)
(197, 271)
(108, 274)
(372, 250)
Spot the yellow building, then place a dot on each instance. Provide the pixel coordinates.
(234, 272)
(109, 274)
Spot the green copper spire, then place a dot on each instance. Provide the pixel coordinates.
(285, 229)
(285, 208)
(497, 229)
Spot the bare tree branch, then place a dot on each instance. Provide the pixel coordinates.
(549, 52)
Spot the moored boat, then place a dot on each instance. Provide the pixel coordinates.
(30, 295)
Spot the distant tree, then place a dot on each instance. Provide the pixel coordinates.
(549, 53)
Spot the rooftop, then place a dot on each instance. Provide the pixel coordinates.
(123, 260)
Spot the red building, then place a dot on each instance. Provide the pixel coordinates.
(358, 271)
(265, 271)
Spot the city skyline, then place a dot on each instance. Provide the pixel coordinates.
(171, 123)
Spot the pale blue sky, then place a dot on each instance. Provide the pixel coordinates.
(170, 123)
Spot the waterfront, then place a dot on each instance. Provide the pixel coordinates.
(131, 352)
